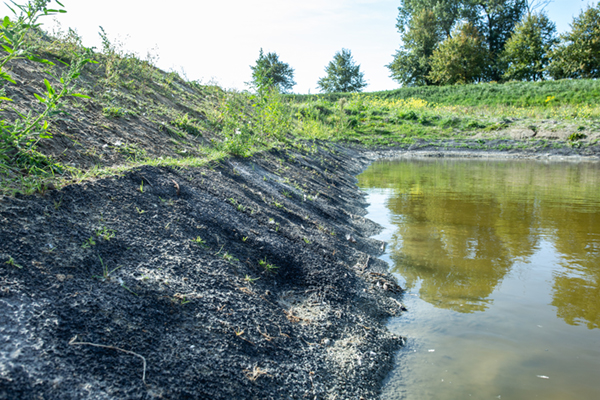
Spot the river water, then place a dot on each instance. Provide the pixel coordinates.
(501, 265)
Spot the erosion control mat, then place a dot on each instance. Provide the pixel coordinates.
(250, 279)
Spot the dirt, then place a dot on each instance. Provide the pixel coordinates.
(117, 263)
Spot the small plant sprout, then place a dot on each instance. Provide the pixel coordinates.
(249, 279)
(286, 193)
(105, 233)
(140, 211)
(142, 187)
(106, 273)
(11, 261)
(88, 243)
(306, 240)
(229, 258)
(198, 240)
(57, 204)
(267, 267)
(244, 238)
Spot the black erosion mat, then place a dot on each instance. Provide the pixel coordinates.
(251, 278)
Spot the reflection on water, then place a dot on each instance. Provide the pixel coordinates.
(461, 225)
(492, 246)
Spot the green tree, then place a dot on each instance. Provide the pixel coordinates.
(495, 20)
(343, 75)
(460, 59)
(269, 72)
(424, 24)
(411, 64)
(578, 54)
(527, 52)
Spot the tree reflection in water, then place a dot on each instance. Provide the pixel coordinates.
(462, 225)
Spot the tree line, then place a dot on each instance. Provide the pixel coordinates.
(467, 41)
(447, 42)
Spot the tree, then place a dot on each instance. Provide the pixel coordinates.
(578, 54)
(411, 64)
(342, 75)
(527, 52)
(460, 59)
(423, 22)
(495, 20)
(270, 72)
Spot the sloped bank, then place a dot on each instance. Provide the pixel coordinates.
(251, 279)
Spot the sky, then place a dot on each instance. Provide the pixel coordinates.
(217, 40)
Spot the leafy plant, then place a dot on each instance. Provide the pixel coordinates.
(88, 243)
(19, 137)
(105, 233)
(11, 261)
(186, 124)
(198, 240)
(267, 266)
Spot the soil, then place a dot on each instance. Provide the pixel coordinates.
(282, 295)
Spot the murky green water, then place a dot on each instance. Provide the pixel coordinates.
(501, 263)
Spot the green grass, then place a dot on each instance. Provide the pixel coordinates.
(572, 92)
(204, 123)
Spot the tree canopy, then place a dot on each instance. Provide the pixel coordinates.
(425, 24)
(527, 52)
(269, 71)
(460, 58)
(578, 54)
(343, 75)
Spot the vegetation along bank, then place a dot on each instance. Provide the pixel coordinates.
(160, 238)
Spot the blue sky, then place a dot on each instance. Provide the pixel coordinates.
(219, 40)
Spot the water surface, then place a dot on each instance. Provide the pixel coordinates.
(501, 264)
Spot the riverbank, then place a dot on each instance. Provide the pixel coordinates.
(247, 278)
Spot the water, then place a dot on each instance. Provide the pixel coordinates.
(501, 265)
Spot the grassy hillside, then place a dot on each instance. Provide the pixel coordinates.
(93, 113)
(572, 92)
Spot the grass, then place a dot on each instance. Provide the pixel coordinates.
(205, 123)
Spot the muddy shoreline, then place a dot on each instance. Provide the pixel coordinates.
(251, 278)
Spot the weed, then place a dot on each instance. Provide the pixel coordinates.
(58, 203)
(88, 243)
(115, 112)
(277, 204)
(229, 258)
(249, 279)
(573, 137)
(198, 240)
(267, 266)
(186, 124)
(106, 273)
(105, 233)
(132, 152)
(11, 261)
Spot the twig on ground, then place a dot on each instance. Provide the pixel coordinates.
(73, 342)
(176, 186)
